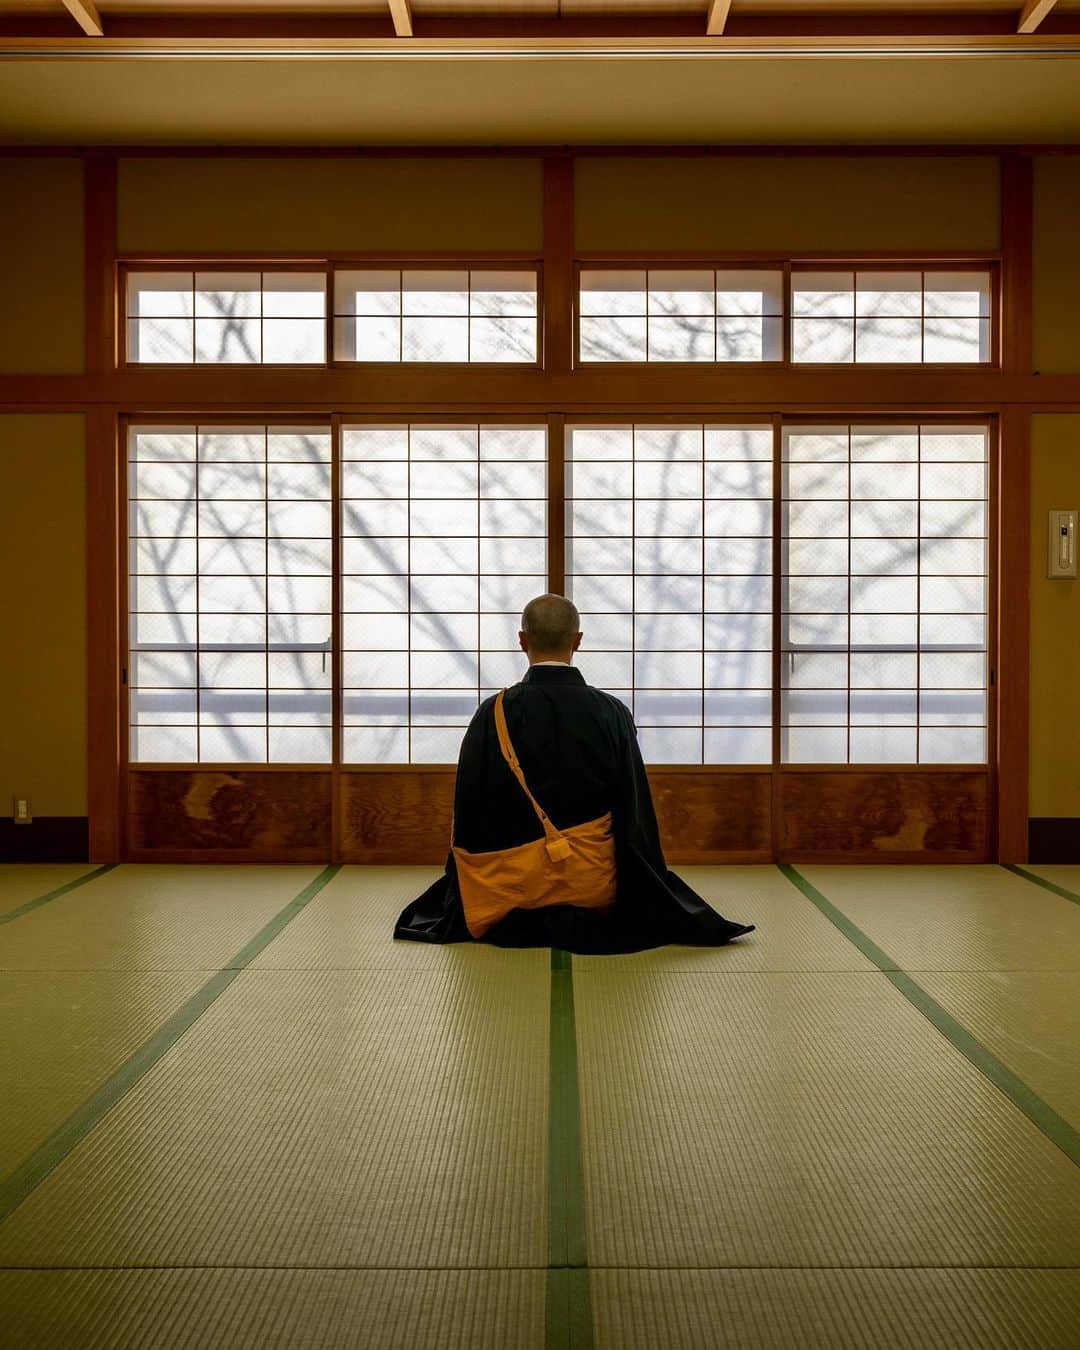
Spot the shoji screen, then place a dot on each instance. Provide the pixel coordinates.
(444, 539)
(229, 556)
(669, 559)
(885, 594)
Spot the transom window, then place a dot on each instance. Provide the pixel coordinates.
(663, 314)
(455, 315)
(226, 318)
(890, 316)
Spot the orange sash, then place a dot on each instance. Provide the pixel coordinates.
(567, 867)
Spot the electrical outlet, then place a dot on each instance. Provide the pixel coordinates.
(21, 811)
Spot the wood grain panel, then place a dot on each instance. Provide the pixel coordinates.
(884, 817)
(713, 817)
(228, 814)
(396, 816)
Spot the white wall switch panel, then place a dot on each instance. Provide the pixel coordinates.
(1062, 545)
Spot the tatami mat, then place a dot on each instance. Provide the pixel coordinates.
(791, 933)
(350, 926)
(152, 917)
(21, 882)
(62, 1035)
(1029, 1019)
(1061, 874)
(273, 1309)
(836, 1309)
(955, 918)
(320, 1118)
(802, 1119)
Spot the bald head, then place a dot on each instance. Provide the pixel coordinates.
(550, 628)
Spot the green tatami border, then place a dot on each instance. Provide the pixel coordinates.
(40, 900)
(52, 1151)
(568, 1309)
(1052, 886)
(1056, 1128)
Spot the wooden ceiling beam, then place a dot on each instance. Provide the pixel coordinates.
(401, 13)
(718, 16)
(1033, 14)
(85, 14)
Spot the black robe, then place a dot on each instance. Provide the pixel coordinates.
(578, 749)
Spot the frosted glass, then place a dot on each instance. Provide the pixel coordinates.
(442, 632)
(814, 745)
(375, 745)
(952, 707)
(440, 707)
(449, 670)
(667, 594)
(670, 745)
(873, 481)
(822, 340)
(430, 339)
(430, 480)
(164, 745)
(664, 481)
(883, 707)
(737, 745)
(888, 340)
(680, 707)
(952, 745)
(681, 339)
(738, 632)
(732, 479)
(232, 745)
(729, 593)
(668, 670)
(738, 707)
(300, 745)
(738, 670)
(656, 555)
(163, 707)
(228, 341)
(814, 670)
(883, 745)
(441, 594)
(667, 632)
(815, 557)
(813, 708)
(612, 339)
(436, 745)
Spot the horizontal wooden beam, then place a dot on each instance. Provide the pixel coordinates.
(718, 17)
(401, 13)
(1033, 14)
(86, 16)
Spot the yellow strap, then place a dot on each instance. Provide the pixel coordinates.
(510, 755)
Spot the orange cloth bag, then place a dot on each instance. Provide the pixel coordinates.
(566, 867)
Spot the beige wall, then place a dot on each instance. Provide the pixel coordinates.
(41, 266)
(43, 615)
(747, 204)
(1055, 625)
(256, 206)
(1057, 264)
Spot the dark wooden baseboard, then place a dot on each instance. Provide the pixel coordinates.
(46, 839)
(1054, 839)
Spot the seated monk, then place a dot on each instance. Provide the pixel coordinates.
(555, 840)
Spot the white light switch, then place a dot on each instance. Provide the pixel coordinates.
(1062, 552)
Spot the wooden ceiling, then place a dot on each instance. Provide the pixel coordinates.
(490, 19)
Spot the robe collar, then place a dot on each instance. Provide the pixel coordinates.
(553, 675)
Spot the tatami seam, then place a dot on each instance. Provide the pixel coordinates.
(66, 1137)
(1044, 882)
(1040, 1113)
(36, 903)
